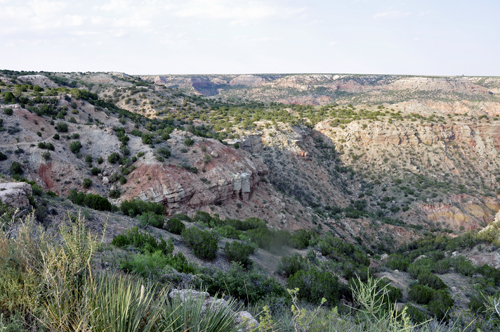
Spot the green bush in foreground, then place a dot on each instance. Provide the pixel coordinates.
(92, 201)
(175, 225)
(314, 285)
(203, 243)
(248, 286)
(135, 207)
(239, 252)
(147, 265)
(143, 241)
(151, 219)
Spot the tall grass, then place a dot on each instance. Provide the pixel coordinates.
(48, 278)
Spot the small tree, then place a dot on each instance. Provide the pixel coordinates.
(75, 146)
(203, 243)
(62, 127)
(175, 225)
(86, 183)
(16, 168)
(239, 252)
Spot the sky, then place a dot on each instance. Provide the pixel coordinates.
(419, 37)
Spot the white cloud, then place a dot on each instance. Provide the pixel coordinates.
(333, 43)
(391, 14)
(234, 10)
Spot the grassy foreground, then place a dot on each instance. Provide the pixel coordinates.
(48, 283)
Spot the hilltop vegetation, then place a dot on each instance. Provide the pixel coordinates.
(361, 195)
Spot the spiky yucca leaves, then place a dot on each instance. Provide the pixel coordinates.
(64, 263)
(20, 266)
(122, 303)
(191, 315)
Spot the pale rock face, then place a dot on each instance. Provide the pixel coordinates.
(40, 80)
(15, 194)
(244, 317)
(247, 80)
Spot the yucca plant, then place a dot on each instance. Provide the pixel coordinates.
(190, 314)
(123, 304)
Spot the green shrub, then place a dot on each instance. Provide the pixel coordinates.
(56, 136)
(145, 242)
(415, 270)
(229, 232)
(137, 206)
(463, 266)
(175, 225)
(430, 280)
(16, 168)
(46, 155)
(314, 285)
(239, 252)
(420, 294)
(249, 287)
(75, 146)
(136, 132)
(62, 127)
(203, 243)
(180, 263)
(95, 171)
(46, 146)
(4, 156)
(8, 111)
(87, 183)
(416, 315)
(188, 141)
(92, 201)
(441, 266)
(151, 219)
(113, 158)
(263, 237)
(147, 265)
(477, 303)
(147, 139)
(115, 193)
(203, 217)
(333, 245)
(490, 273)
(300, 239)
(440, 305)
(164, 152)
(289, 265)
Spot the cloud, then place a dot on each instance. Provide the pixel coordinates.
(234, 10)
(333, 43)
(249, 39)
(391, 14)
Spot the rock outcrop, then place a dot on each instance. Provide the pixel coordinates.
(15, 194)
(214, 174)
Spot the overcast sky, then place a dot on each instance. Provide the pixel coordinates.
(421, 37)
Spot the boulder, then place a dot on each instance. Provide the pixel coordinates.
(15, 194)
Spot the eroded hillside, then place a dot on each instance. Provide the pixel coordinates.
(384, 159)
